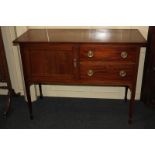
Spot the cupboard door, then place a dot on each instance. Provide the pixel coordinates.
(51, 64)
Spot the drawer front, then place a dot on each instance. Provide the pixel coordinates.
(101, 53)
(106, 72)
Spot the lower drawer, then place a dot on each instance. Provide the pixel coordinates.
(98, 71)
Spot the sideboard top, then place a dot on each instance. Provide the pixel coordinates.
(106, 36)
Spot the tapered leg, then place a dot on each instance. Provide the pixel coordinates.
(131, 105)
(126, 93)
(40, 90)
(29, 101)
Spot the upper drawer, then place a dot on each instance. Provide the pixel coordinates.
(104, 53)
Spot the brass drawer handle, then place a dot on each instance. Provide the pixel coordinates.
(124, 54)
(122, 73)
(90, 72)
(90, 54)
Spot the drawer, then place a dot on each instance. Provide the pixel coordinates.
(102, 53)
(100, 71)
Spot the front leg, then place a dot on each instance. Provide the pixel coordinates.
(29, 102)
(40, 90)
(126, 93)
(131, 104)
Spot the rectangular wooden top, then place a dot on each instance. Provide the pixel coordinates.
(102, 36)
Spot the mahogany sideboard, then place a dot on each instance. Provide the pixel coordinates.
(81, 57)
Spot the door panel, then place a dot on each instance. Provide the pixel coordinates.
(53, 64)
(49, 63)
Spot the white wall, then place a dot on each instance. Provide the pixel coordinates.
(13, 56)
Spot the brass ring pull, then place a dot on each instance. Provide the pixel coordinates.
(124, 55)
(122, 73)
(90, 72)
(90, 54)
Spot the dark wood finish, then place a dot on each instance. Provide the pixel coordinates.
(52, 63)
(81, 57)
(101, 72)
(114, 36)
(40, 90)
(5, 77)
(126, 93)
(148, 86)
(106, 53)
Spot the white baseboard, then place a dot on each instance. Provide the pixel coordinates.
(85, 92)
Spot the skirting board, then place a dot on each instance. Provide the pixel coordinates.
(86, 92)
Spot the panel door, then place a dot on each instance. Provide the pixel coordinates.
(51, 64)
